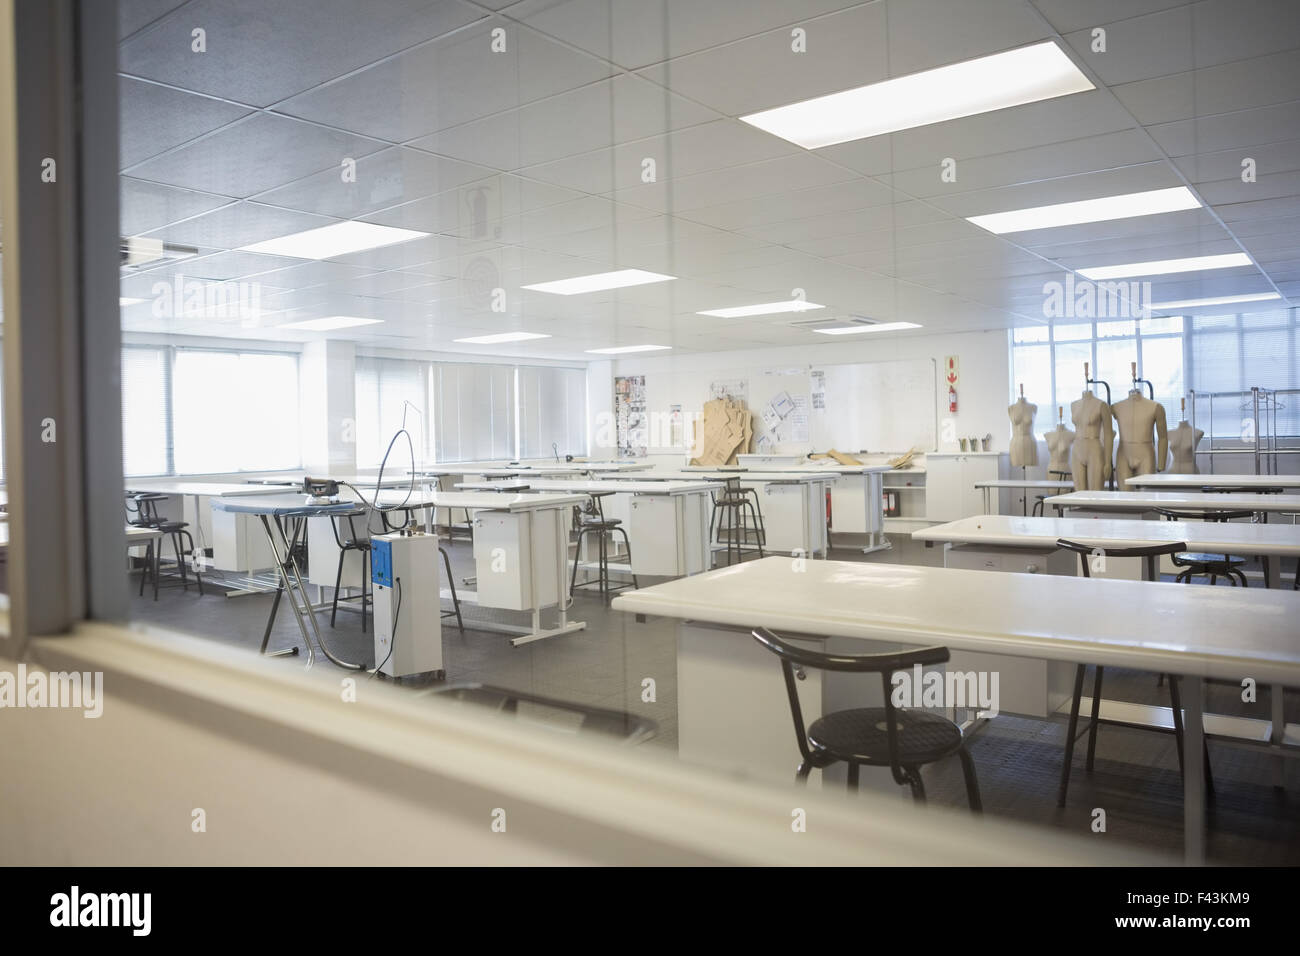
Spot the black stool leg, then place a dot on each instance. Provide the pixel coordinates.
(148, 566)
(1070, 734)
(338, 580)
(1096, 708)
(577, 557)
(365, 590)
(628, 545)
(853, 776)
(455, 601)
(972, 784)
(913, 775)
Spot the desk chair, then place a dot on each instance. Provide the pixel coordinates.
(1040, 501)
(735, 514)
(592, 520)
(1150, 555)
(353, 542)
(901, 739)
(142, 511)
(1215, 566)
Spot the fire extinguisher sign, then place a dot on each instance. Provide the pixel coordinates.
(951, 371)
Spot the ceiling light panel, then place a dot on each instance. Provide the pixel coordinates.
(1011, 78)
(1130, 205)
(338, 239)
(1161, 267)
(600, 282)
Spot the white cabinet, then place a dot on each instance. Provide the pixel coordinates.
(950, 491)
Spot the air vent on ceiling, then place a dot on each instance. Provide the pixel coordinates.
(138, 253)
(836, 322)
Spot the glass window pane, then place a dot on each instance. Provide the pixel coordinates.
(145, 411)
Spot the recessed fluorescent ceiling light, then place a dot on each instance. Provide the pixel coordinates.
(1011, 78)
(502, 337)
(856, 329)
(628, 348)
(125, 301)
(1216, 300)
(767, 308)
(330, 323)
(1162, 267)
(1127, 206)
(599, 282)
(336, 240)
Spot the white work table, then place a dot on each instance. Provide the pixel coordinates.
(1243, 481)
(1175, 500)
(792, 502)
(1163, 628)
(857, 499)
(521, 553)
(991, 485)
(667, 522)
(236, 544)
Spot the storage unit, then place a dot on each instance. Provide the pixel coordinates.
(950, 491)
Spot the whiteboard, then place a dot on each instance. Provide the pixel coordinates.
(876, 406)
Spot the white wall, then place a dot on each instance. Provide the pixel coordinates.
(983, 390)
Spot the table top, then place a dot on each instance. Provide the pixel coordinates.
(1025, 483)
(812, 466)
(794, 476)
(585, 486)
(134, 536)
(1172, 480)
(210, 489)
(1223, 633)
(294, 505)
(397, 500)
(1178, 500)
(1215, 537)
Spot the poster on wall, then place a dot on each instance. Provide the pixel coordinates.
(736, 389)
(632, 426)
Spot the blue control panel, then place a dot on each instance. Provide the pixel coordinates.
(381, 562)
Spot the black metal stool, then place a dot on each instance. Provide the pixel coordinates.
(1151, 555)
(1195, 563)
(901, 739)
(355, 542)
(733, 510)
(146, 515)
(1040, 500)
(592, 520)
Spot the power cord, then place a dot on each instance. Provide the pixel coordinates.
(392, 639)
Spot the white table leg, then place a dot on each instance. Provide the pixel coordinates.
(1193, 700)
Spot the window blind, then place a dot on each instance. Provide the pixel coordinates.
(552, 411)
(474, 412)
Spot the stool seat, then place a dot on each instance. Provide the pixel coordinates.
(862, 735)
(1198, 557)
(593, 522)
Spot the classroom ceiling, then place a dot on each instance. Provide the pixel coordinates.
(526, 166)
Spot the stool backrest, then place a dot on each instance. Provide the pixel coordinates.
(1149, 552)
(1173, 514)
(885, 664)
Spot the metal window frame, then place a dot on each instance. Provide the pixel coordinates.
(58, 99)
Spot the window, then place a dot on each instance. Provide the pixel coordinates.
(234, 411)
(1049, 363)
(146, 412)
(474, 411)
(390, 391)
(552, 412)
(1234, 353)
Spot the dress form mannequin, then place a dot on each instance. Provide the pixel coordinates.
(1024, 446)
(1182, 442)
(1058, 445)
(1136, 416)
(1094, 438)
